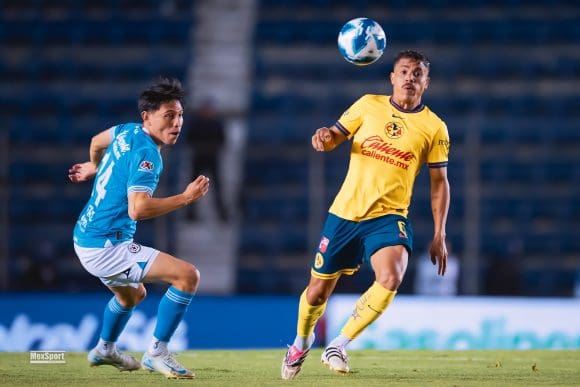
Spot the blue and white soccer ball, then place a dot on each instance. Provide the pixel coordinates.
(361, 41)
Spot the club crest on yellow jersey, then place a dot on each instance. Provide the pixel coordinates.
(394, 130)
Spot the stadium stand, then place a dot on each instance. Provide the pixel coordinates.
(504, 78)
(69, 69)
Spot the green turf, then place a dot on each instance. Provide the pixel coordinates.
(368, 368)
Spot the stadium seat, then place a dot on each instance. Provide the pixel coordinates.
(55, 100)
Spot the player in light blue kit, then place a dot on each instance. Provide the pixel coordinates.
(126, 164)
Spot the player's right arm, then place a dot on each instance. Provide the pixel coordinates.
(143, 206)
(99, 144)
(87, 170)
(326, 139)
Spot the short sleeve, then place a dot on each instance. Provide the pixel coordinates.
(113, 131)
(144, 171)
(439, 153)
(352, 119)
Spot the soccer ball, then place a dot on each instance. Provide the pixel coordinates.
(361, 41)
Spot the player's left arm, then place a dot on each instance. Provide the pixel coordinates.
(87, 170)
(440, 198)
(143, 206)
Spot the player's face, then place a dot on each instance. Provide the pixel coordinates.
(410, 79)
(164, 124)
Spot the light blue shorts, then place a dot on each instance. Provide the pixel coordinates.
(124, 264)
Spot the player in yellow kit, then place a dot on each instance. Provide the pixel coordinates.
(392, 137)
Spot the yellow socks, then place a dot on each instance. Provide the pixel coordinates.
(368, 308)
(308, 315)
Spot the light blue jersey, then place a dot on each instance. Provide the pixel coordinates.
(131, 163)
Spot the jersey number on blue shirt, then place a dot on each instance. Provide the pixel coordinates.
(103, 179)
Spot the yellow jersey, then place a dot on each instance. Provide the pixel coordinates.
(390, 144)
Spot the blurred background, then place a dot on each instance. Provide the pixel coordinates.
(505, 76)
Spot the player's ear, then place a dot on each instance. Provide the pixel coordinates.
(427, 81)
(144, 115)
(391, 78)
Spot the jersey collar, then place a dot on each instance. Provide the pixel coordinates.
(399, 108)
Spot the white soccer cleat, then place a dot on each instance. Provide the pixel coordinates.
(117, 359)
(166, 364)
(292, 362)
(336, 359)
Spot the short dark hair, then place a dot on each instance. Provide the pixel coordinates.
(415, 55)
(161, 91)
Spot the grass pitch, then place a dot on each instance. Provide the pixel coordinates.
(368, 368)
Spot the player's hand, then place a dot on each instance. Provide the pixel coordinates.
(323, 140)
(438, 252)
(196, 189)
(82, 172)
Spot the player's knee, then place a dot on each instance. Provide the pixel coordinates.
(317, 295)
(188, 279)
(138, 296)
(390, 281)
(141, 294)
(133, 298)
